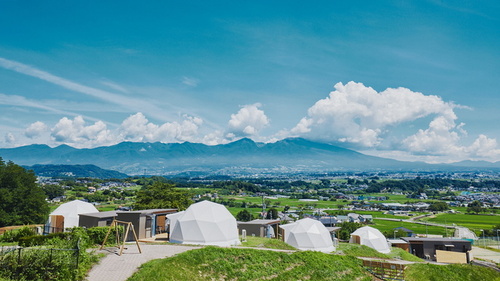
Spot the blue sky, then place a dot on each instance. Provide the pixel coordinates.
(411, 80)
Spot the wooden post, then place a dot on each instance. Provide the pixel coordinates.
(107, 235)
(125, 238)
(135, 237)
(121, 244)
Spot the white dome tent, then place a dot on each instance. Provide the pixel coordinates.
(67, 215)
(308, 234)
(204, 223)
(372, 238)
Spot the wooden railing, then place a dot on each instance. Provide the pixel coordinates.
(385, 270)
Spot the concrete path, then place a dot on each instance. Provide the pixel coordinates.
(485, 254)
(119, 268)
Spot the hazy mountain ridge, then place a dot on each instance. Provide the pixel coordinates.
(288, 155)
(77, 171)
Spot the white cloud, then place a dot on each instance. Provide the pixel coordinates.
(484, 148)
(36, 129)
(248, 121)
(438, 139)
(189, 81)
(10, 138)
(126, 102)
(138, 128)
(358, 114)
(77, 134)
(115, 86)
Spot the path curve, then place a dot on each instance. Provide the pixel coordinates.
(119, 268)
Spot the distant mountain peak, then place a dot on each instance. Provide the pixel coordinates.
(289, 155)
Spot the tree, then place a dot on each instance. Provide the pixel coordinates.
(244, 215)
(272, 214)
(22, 200)
(53, 190)
(439, 207)
(475, 207)
(159, 195)
(346, 229)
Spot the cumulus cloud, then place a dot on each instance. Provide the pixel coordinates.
(248, 121)
(440, 138)
(35, 130)
(484, 147)
(76, 133)
(10, 138)
(138, 128)
(358, 114)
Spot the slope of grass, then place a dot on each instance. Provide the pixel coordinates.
(364, 251)
(359, 251)
(455, 272)
(269, 243)
(211, 263)
(398, 253)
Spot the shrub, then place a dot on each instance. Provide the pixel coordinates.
(16, 234)
(97, 235)
(58, 256)
(37, 240)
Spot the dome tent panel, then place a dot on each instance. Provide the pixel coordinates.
(308, 234)
(205, 223)
(372, 238)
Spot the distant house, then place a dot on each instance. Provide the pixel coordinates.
(259, 228)
(329, 221)
(365, 218)
(353, 217)
(342, 219)
(409, 233)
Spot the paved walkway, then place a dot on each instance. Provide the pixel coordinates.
(118, 268)
(485, 254)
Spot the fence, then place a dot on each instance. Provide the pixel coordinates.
(385, 270)
(38, 263)
(493, 242)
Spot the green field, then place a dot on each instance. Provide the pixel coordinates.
(473, 222)
(385, 225)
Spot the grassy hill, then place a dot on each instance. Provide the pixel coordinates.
(212, 263)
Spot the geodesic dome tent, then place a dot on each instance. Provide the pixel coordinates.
(204, 223)
(308, 234)
(372, 238)
(67, 215)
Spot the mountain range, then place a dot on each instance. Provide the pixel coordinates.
(242, 156)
